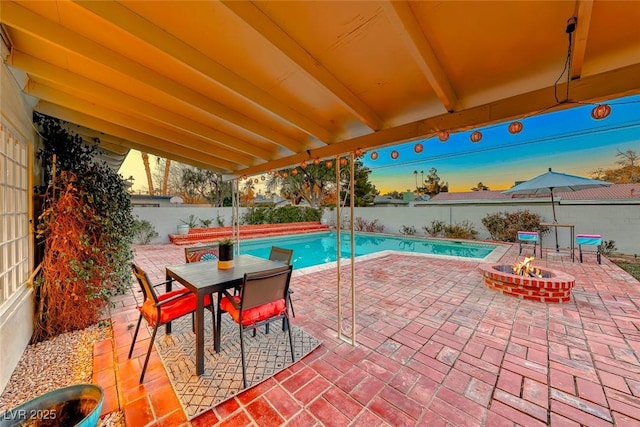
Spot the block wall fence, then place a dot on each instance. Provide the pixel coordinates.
(617, 222)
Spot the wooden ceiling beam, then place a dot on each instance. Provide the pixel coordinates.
(139, 141)
(583, 15)
(22, 19)
(132, 106)
(64, 99)
(408, 28)
(122, 17)
(277, 37)
(599, 87)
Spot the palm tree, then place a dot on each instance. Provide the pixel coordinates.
(145, 160)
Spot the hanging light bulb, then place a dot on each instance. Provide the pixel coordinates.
(328, 164)
(269, 171)
(358, 152)
(316, 161)
(294, 172)
(443, 135)
(394, 154)
(244, 176)
(515, 127)
(284, 174)
(303, 165)
(476, 136)
(277, 175)
(418, 148)
(601, 111)
(374, 155)
(343, 161)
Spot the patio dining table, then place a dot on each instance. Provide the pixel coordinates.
(203, 278)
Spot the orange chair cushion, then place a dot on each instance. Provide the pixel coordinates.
(204, 255)
(255, 314)
(172, 310)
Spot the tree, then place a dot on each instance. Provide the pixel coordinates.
(433, 184)
(627, 172)
(364, 191)
(84, 227)
(314, 184)
(394, 194)
(194, 185)
(480, 187)
(247, 195)
(204, 184)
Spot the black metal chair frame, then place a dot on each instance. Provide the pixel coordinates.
(283, 255)
(149, 293)
(258, 289)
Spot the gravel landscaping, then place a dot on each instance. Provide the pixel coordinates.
(62, 361)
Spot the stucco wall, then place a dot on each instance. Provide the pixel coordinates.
(620, 223)
(15, 313)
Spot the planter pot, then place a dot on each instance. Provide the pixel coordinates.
(225, 257)
(76, 405)
(183, 229)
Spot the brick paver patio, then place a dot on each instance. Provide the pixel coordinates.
(435, 347)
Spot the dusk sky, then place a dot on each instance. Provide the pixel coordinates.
(568, 141)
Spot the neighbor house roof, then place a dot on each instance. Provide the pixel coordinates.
(613, 192)
(470, 195)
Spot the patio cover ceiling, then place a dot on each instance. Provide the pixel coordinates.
(242, 87)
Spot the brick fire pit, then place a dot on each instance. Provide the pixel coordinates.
(554, 286)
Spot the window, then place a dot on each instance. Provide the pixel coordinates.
(14, 212)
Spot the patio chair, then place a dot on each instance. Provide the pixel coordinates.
(161, 309)
(201, 253)
(283, 255)
(262, 300)
(529, 237)
(590, 239)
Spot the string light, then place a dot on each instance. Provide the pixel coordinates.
(515, 127)
(601, 111)
(476, 136)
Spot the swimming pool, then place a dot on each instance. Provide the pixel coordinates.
(320, 248)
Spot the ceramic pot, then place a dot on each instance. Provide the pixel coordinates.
(77, 405)
(225, 256)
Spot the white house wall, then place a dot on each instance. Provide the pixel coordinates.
(16, 313)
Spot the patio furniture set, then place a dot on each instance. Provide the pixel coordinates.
(261, 296)
(534, 238)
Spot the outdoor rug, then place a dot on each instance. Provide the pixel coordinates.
(266, 355)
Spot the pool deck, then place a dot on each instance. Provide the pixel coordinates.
(435, 347)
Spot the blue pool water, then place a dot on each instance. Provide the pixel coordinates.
(320, 248)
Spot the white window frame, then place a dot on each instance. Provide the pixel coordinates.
(15, 184)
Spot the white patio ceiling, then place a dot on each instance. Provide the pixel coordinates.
(242, 87)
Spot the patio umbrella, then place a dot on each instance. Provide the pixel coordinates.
(551, 181)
